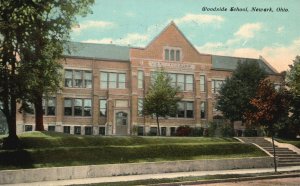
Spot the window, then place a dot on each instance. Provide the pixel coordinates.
(153, 131)
(140, 79)
(189, 109)
(103, 107)
(172, 54)
(68, 78)
(177, 55)
(49, 106)
(163, 131)
(167, 54)
(121, 118)
(216, 85)
(189, 82)
(87, 107)
(77, 107)
(102, 131)
(202, 83)
(185, 82)
(78, 78)
(140, 107)
(51, 128)
(77, 130)
(185, 109)
(29, 108)
(112, 80)
(121, 80)
(88, 79)
(67, 129)
(88, 130)
(203, 110)
(172, 131)
(68, 107)
(140, 131)
(28, 128)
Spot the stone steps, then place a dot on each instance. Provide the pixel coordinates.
(284, 156)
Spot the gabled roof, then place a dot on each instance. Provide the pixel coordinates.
(97, 51)
(228, 63)
(172, 24)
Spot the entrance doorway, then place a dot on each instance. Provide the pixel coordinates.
(121, 123)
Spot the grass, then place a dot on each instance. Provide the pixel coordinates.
(46, 149)
(295, 142)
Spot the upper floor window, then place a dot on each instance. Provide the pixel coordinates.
(112, 80)
(77, 107)
(202, 83)
(172, 54)
(185, 82)
(140, 107)
(78, 78)
(216, 85)
(140, 79)
(49, 106)
(185, 109)
(103, 107)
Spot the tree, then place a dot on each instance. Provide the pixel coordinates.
(33, 34)
(161, 99)
(293, 82)
(237, 90)
(270, 107)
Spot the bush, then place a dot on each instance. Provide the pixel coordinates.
(216, 129)
(183, 131)
(197, 131)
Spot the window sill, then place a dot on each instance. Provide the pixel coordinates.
(77, 88)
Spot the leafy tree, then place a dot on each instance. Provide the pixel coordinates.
(237, 91)
(270, 107)
(33, 33)
(293, 82)
(161, 99)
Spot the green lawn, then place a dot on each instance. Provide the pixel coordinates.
(46, 149)
(295, 142)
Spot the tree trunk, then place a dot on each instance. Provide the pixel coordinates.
(38, 105)
(158, 129)
(274, 153)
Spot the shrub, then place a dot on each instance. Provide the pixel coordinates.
(217, 129)
(197, 131)
(183, 131)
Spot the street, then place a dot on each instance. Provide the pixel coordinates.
(267, 182)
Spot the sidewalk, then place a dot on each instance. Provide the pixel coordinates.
(156, 176)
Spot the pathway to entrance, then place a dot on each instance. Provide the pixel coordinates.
(285, 156)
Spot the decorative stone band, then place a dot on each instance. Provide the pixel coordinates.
(94, 171)
(181, 66)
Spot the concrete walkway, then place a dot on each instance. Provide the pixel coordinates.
(156, 176)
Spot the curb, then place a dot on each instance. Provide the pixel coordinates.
(229, 180)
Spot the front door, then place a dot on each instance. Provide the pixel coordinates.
(121, 123)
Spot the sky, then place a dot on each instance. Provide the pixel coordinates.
(274, 35)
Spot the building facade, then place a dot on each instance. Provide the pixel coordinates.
(104, 87)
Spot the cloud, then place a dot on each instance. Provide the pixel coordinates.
(280, 29)
(199, 19)
(103, 41)
(248, 30)
(279, 56)
(93, 24)
(130, 14)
